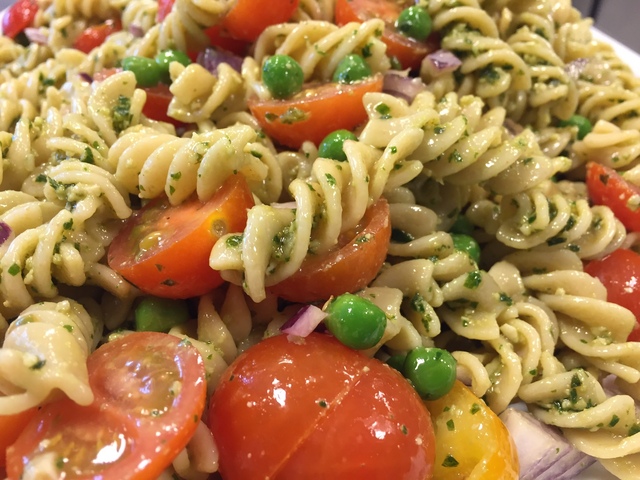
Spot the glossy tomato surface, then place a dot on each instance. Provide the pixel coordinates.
(607, 187)
(164, 250)
(10, 428)
(95, 35)
(620, 274)
(408, 51)
(350, 267)
(248, 18)
(18, 17)
(293, 408)
(149, 394)
(471, 441)
(315, 112)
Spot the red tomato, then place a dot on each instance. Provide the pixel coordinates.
(620, 274)
(312, 408)
(222, 39)
(164, 250)
(164, 8)
(315, 112)
(248, 18)
(157, 104)
(18, 17)
(138, 422)
(10, 428)
(95, 35)
(350, 267)
(408, 51)
(607, 187)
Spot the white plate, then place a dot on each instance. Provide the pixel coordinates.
(596, 472)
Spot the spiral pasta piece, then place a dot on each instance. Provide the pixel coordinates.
(44, 354)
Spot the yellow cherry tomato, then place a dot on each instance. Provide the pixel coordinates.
(471, 441)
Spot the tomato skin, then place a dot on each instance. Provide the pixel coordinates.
(408, 51)
(479, 441)
(607, 187)
(178, 266)
(348, 269)
(320, 110)
(164, 8)
(157, 104)
(619, 272)
(10, 428)
(243, 22)
(121, 434)
(95, 35)
(219, 37)
(341, 417)
(18, 17)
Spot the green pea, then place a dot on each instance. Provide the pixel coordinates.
(331, 145)
(466, 244)
(431, 371)
(355, 321)
(165, 57)
(146, 70)
(414, 22)
(160, 314)
(583, 124)
(462, 225)
(282, 75)
(396, 362)
(351, 69)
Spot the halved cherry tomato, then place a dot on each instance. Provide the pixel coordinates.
(607, 187)
(312, 408)
(149, 395)
(248, 18)
(95, 35)
(219, 37)
(18, 17)
(408, 51)
(10, 428)
(164, 250)
(620, 274)
(314, 112)
(157, 104)
(471, 441)
(350, 267)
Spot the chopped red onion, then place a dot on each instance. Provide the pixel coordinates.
(304, 321)
(402, 86)
(86, 77)
(211, 58)
(574, 69)
(443, 61)
(136, 31)
(5, 232)
(36, 36)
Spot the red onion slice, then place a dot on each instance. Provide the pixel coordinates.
(36, 36)
(443, 61)
(136, 31)
(211, 58)
(304, 321)
(402, 86)
(5, 232)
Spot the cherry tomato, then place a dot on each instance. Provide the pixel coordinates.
(149, 394)
(408, 51)
(607, 187)
(219, 37)
(157, 104)
(164, 250)
(164, 8)
(248, 18)
(95, 35)
(620, 274)
(10, 428)
(18, 17)
(315, 112)
(312, 408)
(471, 441)
(350, 267)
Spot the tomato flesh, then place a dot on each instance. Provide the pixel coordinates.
(149, 388)
(607, 187)
(348, 268)
(10, 428)
(95, 36)
(164, 250)
(408, 51)
(18, 17)
(470, 433)
(343, 417)
(620, 274)
(248, 18)
(315, 112)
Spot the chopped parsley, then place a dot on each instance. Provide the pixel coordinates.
(122, 114)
